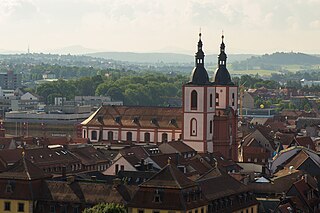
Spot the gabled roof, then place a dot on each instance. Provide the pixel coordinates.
(302, 156)
(305, 141)
(216, 186)
(180, 146)
(24, 170)
(169, 177)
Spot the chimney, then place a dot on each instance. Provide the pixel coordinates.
(142, 166)
(70, 179)
(177, 158)
(305, 177)
(116, 182)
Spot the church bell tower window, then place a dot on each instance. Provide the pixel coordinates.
(194, 100)
(193, 127)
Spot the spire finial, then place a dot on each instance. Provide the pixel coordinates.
(200, 34)
(222, 35)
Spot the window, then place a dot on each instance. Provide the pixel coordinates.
(232, 99)
(147, 137)
(110, 135)
(164, 137)
(9, 188)
(117, 168)
(122, 167)
(202, 210)
(193, 127)
(211, 127)
(211, 100)
(194, 100)
(20, 207)
(7, 206)
(75, 209)
(52, 209)
(94, 135)
(84, 133)
(156, 211)
(64, 209)
(157, 197)
(129, 136)
(140, 211)
(217, 99)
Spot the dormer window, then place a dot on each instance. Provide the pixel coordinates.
(135, 120)
(157, 196)
(9, 188)
(154, 121)
(117, 119)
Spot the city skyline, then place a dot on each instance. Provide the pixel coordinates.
(255, 27)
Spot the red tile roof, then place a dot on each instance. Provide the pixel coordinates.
(134, 116)
(24, 170)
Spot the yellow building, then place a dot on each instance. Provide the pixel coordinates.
(20, 187)
(16, 206)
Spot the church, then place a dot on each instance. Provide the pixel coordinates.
(207, 120)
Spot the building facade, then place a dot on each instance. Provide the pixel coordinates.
(207, 121)
(10, 80)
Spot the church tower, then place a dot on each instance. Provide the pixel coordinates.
(226, 102)
(199, 106)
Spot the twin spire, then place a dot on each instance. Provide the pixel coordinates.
(199, 74)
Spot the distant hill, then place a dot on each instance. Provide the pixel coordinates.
(276, 60)
(73, 50)
(162, 57)
(282, 58)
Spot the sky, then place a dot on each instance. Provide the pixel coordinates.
(249, 26)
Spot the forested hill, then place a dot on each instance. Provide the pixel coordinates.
(162, 57)
(281, 58)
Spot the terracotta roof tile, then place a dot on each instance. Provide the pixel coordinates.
(145, 117)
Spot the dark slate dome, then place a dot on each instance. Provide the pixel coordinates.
(222, 75)
(199, 75)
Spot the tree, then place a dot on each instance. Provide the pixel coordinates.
(106, 208)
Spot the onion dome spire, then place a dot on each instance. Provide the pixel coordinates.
(222, 75)
(199, 74)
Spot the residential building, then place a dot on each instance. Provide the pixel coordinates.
(10, 80)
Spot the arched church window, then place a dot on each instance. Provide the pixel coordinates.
(193, 127)
(211, 127)
(110, 135)
(164, 137)
(194, 100)
(211, 100)
(129, 136)
(147, 137)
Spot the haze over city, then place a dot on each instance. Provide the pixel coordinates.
(160, 26)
